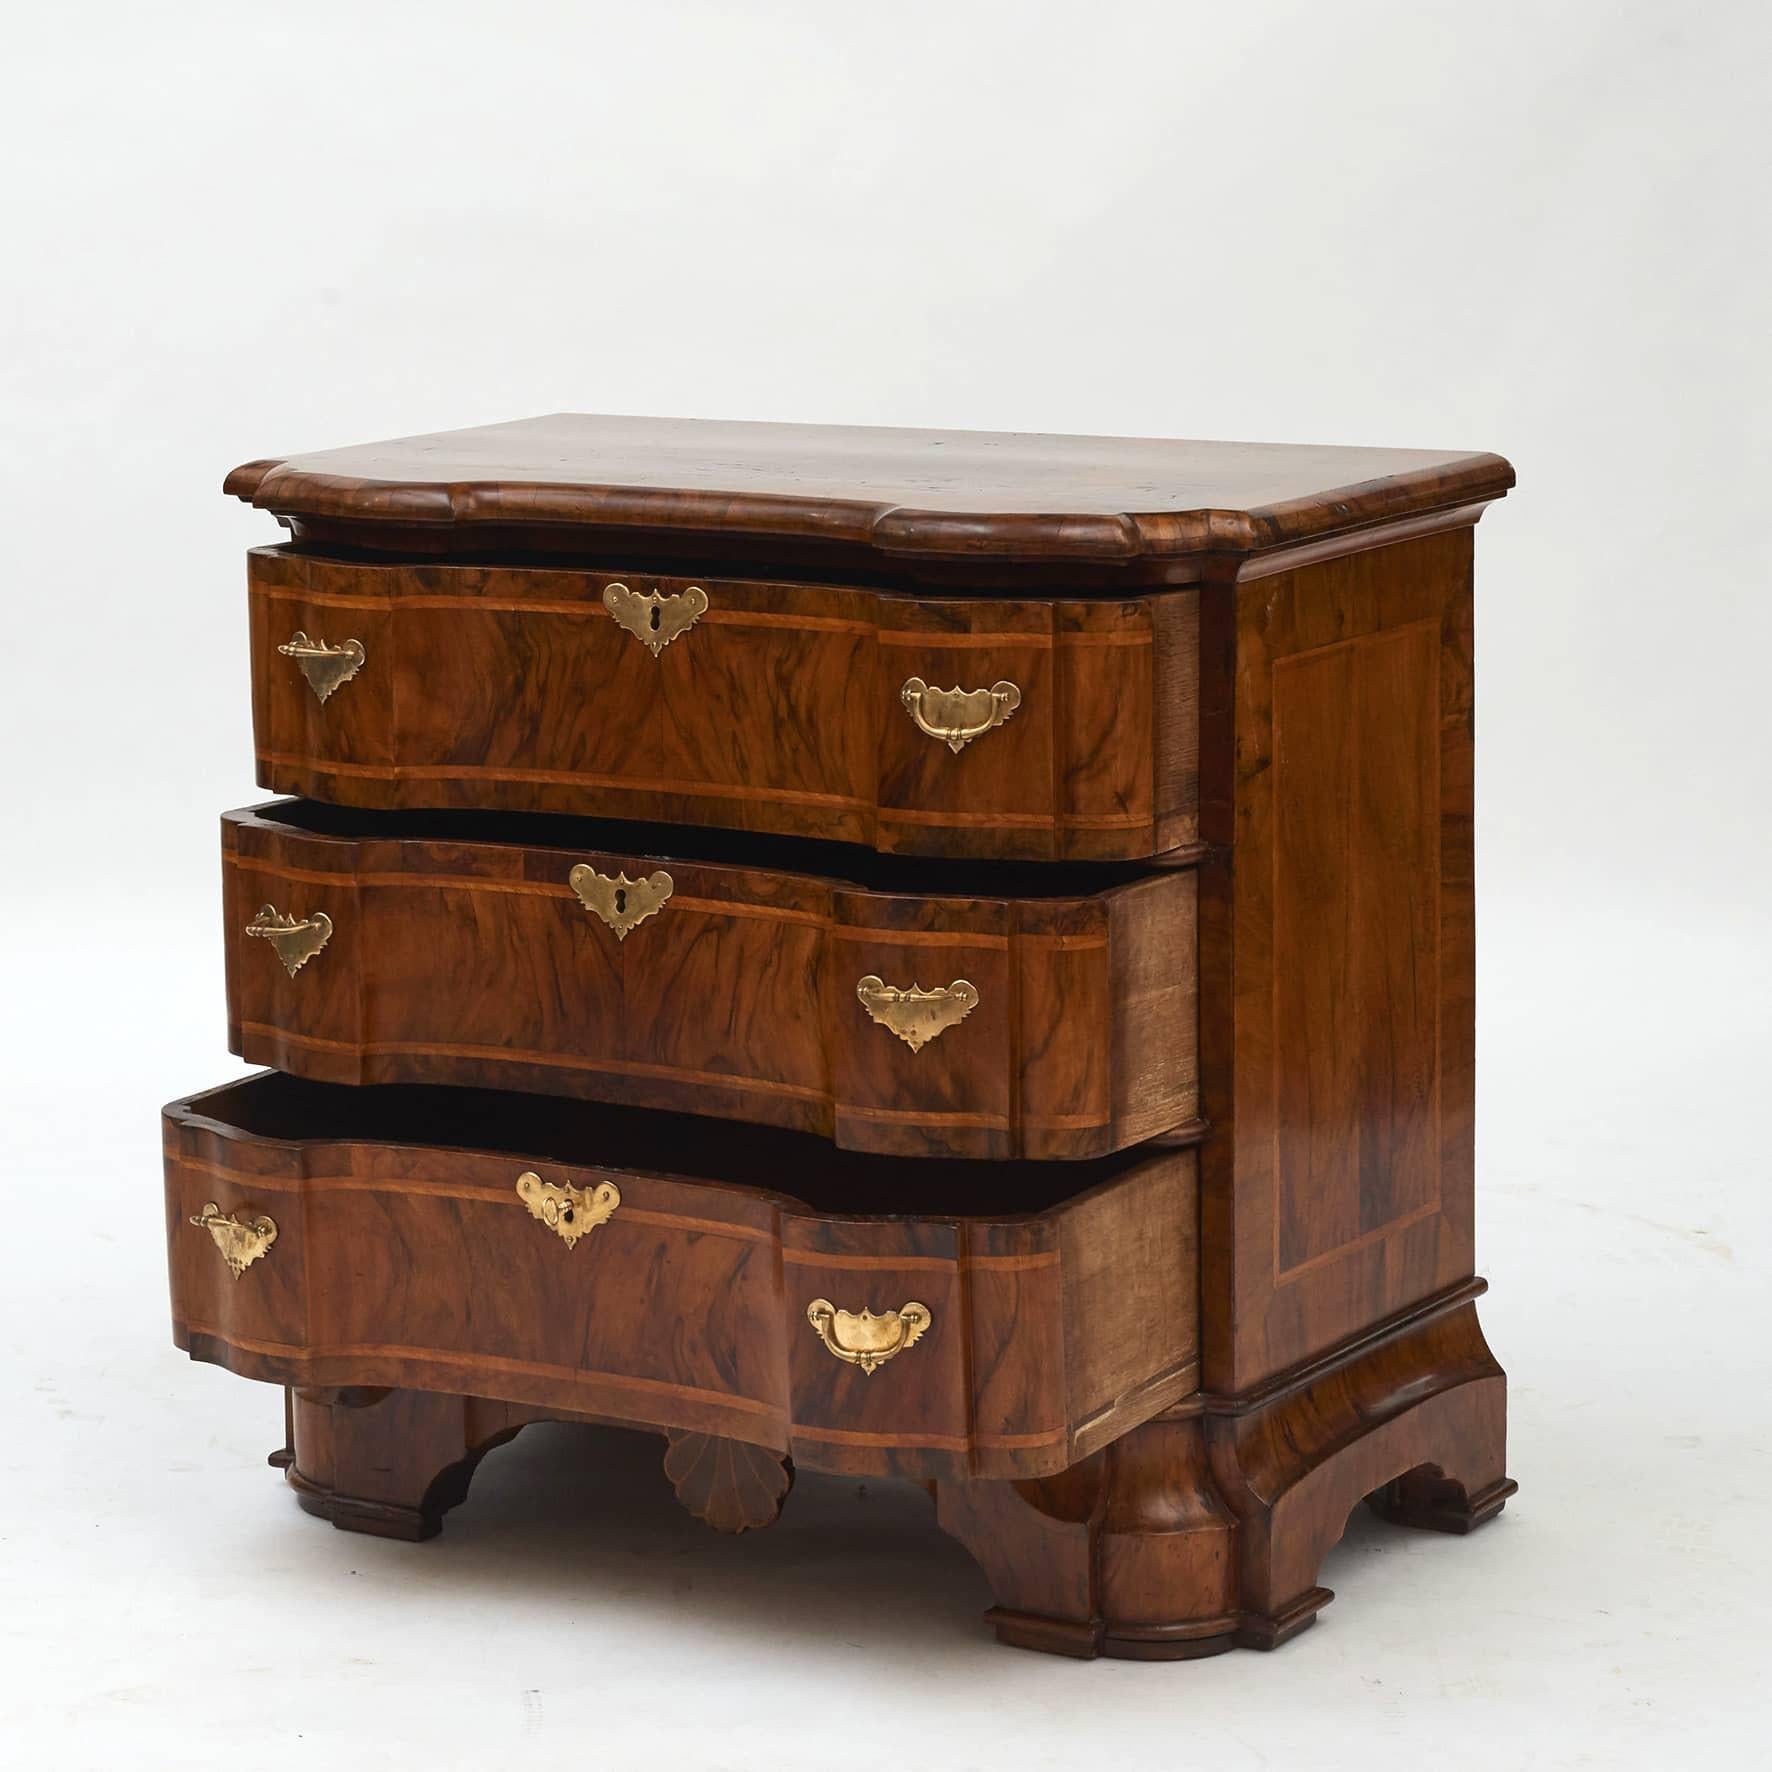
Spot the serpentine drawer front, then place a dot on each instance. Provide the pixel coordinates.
(1055, 1018)
(985, 727)
(919, 953)
(1003, 1321)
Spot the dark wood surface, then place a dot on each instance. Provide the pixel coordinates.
(1228, 829)
(1336, 949)
(514, 688)
(896, 493)
(387, 1462)
(1199, 1530)
(1204, 1529)
(458, 958)
(1061, 1297)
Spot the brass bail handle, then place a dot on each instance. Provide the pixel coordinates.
(325, 667)
(957, 716)
(859, 1338)
(240, 1240)
(915, 1015)
(296, 939)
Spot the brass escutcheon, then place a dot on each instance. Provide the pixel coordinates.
(296, 939)
(569, 1212)
(653, 619)
(958, 716)
(325, 667)
(917, 1016)
(621, 903)
(862, 1339)
(241, 1240)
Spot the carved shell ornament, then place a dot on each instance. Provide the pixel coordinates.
(727, 1484)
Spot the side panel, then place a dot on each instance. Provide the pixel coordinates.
(1336, 950)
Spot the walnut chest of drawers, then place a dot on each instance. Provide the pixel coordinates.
(903, 953)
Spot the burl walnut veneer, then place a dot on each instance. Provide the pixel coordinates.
(1079, 1040)
(983, 927)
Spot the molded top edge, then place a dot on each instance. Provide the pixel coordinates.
(957, 494)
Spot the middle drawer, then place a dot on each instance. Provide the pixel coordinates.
(1056, 1020)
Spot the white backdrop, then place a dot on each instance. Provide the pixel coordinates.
(1536, 228)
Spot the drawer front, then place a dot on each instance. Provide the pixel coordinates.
(951, 1346)
(1040, 1027)
(750, 705)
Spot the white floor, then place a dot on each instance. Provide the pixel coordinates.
(163, 1603)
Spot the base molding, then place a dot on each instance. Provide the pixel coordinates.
(1204, 1529)
(393, 1462)
(1201, 1531)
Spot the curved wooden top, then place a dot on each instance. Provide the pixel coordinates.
(895, 493)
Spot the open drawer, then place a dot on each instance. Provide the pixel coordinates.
(908, 1007)
(931, 1319)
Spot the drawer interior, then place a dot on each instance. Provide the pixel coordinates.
(588, 1135)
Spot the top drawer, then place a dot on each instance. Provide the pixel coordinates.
(804, 709)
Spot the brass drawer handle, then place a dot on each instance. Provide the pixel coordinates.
(296, 939)
(325, 667)
(241, 1240)
(621, 903)
(863, 1339)
(569, 1212)
(957, 716)
(917, 1016)
(652, 618)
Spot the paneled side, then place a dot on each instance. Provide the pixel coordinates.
(1356, 936)
(1336, 949)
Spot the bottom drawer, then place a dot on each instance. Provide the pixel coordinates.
(860, 1314)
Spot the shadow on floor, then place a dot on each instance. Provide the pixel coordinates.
(579, 1518)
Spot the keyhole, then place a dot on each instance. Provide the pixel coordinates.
(621, 899)
(655, 618)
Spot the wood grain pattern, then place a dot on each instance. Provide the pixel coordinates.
(901, 496)
(405, 1258)
(464, 956)
(515, 689)
(1226, 835)
(1337, 958)
(1204, 1529)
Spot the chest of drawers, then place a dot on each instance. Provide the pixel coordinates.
(913, 954)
